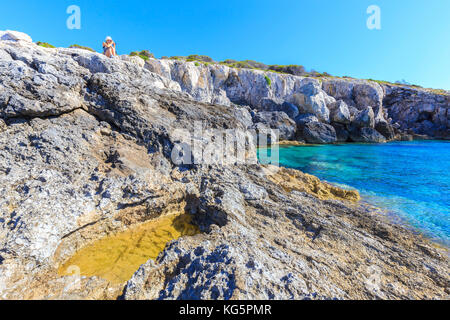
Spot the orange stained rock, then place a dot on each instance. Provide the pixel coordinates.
(290, 179)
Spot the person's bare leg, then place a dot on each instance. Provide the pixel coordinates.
(108, 52)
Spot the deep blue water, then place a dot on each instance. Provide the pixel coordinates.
(410, 180)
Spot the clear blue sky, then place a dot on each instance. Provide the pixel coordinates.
(325, 35)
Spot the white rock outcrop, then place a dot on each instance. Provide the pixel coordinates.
(9, 35)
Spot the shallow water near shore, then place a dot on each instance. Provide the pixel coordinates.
(410, 180)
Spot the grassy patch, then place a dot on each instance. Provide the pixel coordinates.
(412, 86)
(394, 84)
(256, 64)
(45, 45)
(268, 81)
(296, 70)
(76, 46)
(196, 57)
(228, 62)
(144, 54)
(439, 91)
(238, 64)
(382, 82)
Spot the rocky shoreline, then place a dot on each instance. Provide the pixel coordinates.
(85, 153)
(316, 110)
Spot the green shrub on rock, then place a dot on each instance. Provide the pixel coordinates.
(246, 64)
(256, 65)
(228, 62)
(242, 65)
(144, 54)
(295, 70)
(196, 57)
(76, 46)
(45, 45)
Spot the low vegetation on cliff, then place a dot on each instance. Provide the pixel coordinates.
(296, 70)
(45, 45)
(144, 54)
(268, 81)
(76, 46)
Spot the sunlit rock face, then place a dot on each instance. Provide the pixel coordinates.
(395, 107)
(86, 154)
(9, 35)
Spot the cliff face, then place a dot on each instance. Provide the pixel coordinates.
(86, 151)
(339, 102)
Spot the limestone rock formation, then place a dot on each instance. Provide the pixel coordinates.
(319, 133)
(365, 118)
(311, 99)
(412, 108)
(268, 104)
(340, 112)
(277, 120)
(86, 150)
(385, 129)
(356, 93)
(342, 134)
(366, 134)
(418, 110)
(303, 119)
(9, 35)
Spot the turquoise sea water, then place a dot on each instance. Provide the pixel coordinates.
(410, 180)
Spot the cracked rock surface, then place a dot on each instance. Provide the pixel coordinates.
(85, 151)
